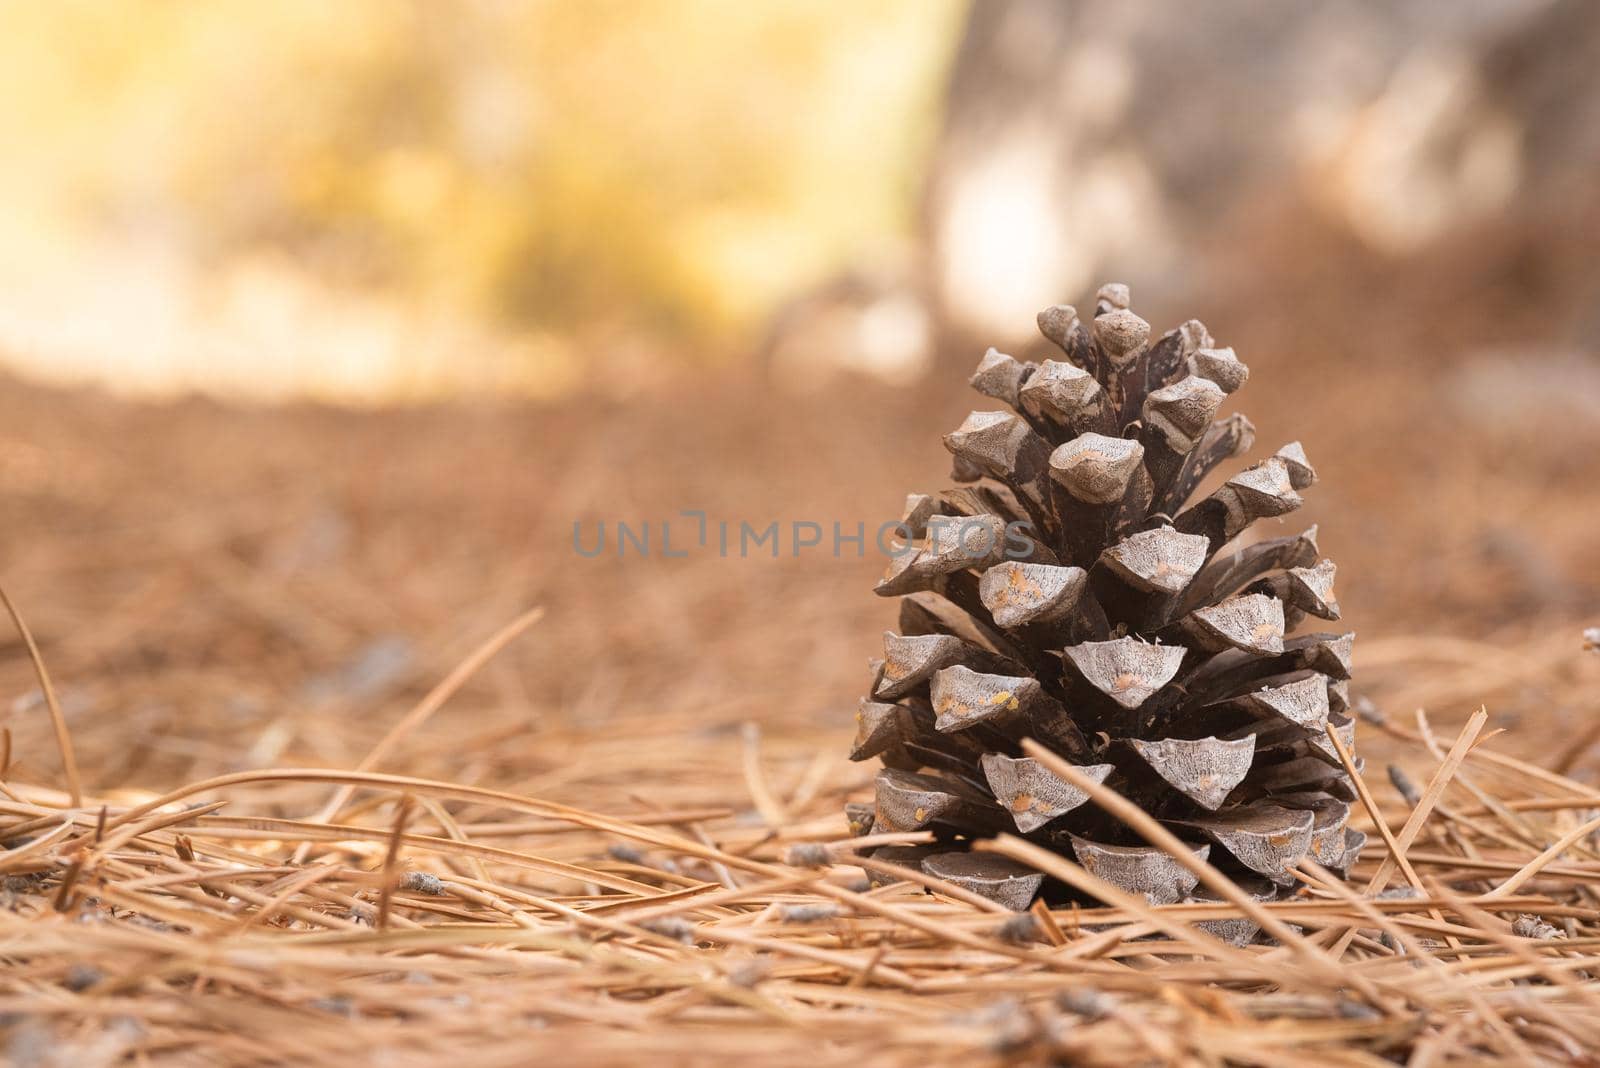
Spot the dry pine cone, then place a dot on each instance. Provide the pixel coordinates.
(1067, 593)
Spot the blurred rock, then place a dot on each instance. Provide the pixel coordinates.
(1524, 388)
(869, 322)
(376, 667)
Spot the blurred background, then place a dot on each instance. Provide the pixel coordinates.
(382, 201)
(323, 323)
(376, 201)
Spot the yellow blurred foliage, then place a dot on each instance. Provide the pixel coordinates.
(553, 169)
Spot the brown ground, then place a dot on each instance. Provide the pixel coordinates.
(206, 576)
(218, 590)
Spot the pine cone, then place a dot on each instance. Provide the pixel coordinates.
(1067, 593)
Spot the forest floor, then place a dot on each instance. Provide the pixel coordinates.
(562, 836)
